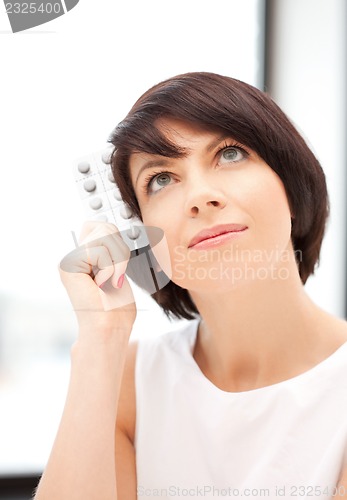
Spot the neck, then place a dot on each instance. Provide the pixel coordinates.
(257, 333)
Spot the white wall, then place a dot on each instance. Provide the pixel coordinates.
(307, 79)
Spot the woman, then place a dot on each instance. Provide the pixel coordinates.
(250, 397)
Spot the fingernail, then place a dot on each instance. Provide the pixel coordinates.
(120, 281)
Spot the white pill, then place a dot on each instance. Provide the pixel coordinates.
(106, 157)
(110, 177)
(117, 195)
(133, 233)
(95, 203)
(83, 167)
(125, 212)
(89, 185)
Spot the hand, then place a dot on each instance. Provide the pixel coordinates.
(94, 277)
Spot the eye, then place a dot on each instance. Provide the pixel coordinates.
(232, 154)
(155, 182)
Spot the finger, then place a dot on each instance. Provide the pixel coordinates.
(107, 261)
(118, 253)
(103, 255)
(92, 230)
(77, 261)
(114, 272)
(112, 299)
(101, 263)
(88, 259)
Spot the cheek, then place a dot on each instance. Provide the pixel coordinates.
(274, 218)
(153, 218)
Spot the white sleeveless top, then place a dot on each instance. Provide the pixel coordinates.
(193, 440)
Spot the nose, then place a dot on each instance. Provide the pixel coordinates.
(203, 197)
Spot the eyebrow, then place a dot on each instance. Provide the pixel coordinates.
(216, 142)
(164, 162)
(151, 164)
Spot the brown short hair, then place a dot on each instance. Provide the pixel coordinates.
(251, 117)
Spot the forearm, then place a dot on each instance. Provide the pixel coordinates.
(82, 461)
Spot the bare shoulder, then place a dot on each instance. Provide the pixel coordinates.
(337, 328)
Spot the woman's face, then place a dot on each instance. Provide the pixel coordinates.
(218, 182)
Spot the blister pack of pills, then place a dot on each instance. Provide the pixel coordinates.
(102, 200)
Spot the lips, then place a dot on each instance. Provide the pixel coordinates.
(205, 234)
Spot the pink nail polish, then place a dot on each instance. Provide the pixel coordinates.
(120, 281)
